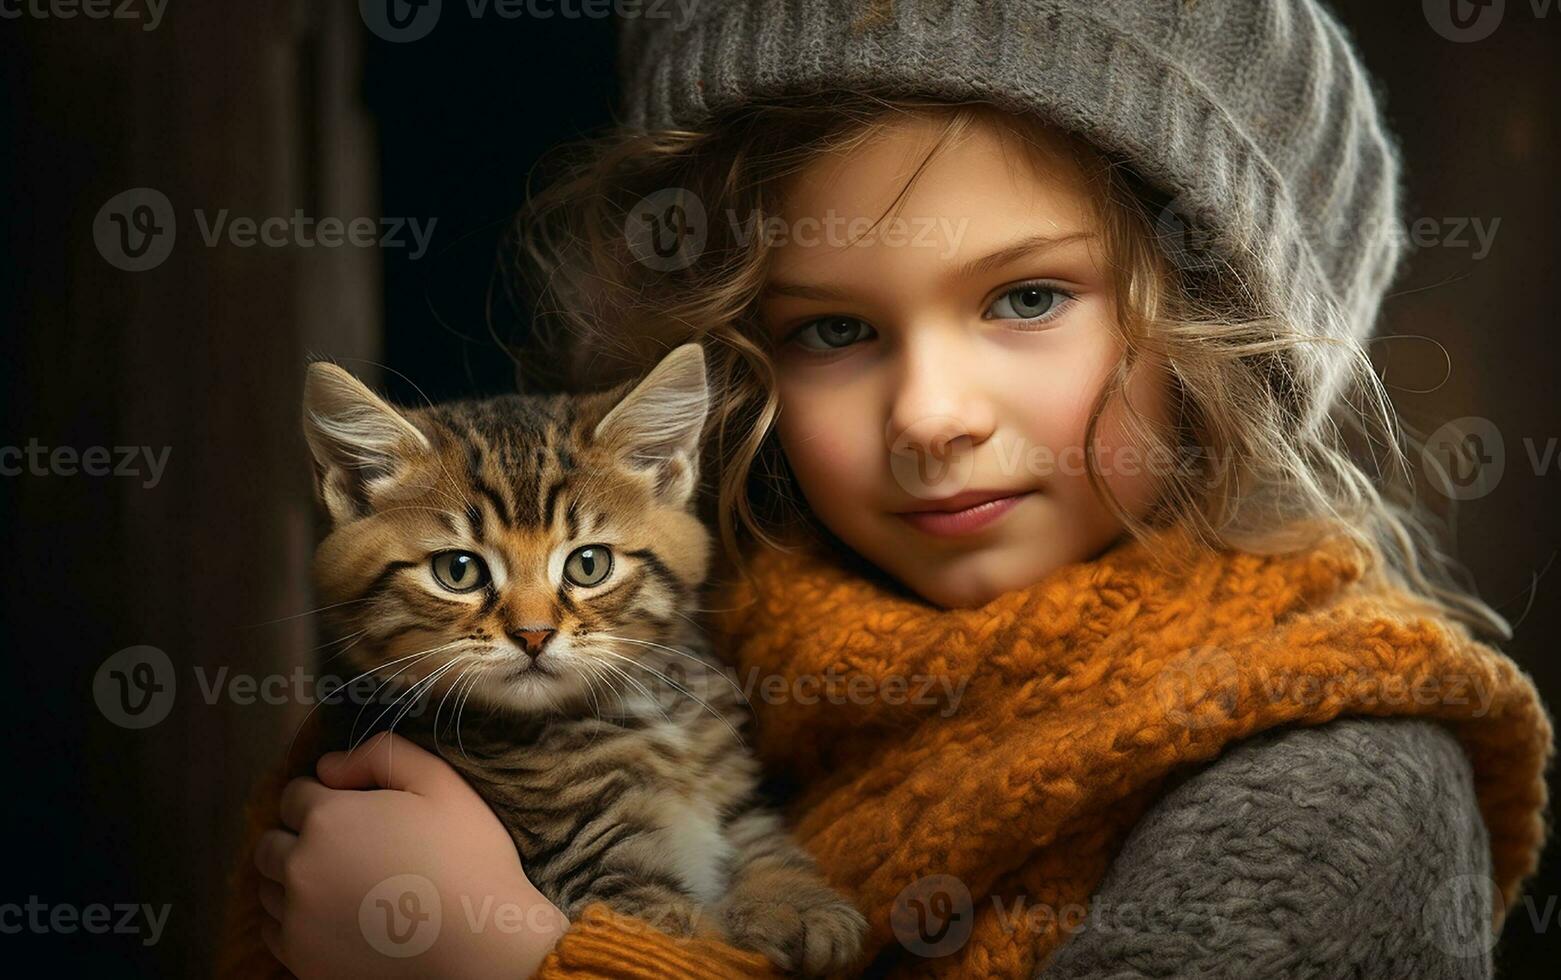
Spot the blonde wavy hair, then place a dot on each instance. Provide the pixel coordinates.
(1253, 474)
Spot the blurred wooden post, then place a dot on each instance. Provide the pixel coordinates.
(253, 108)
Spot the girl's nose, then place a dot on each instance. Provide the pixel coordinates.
(941, 403)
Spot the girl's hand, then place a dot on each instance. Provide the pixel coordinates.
(393, 867)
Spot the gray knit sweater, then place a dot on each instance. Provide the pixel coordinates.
(1354, 849)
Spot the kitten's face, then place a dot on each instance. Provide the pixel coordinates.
(519, 552)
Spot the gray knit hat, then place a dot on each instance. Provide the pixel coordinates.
(1256, 116)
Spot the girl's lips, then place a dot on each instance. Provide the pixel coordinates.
(951, 523)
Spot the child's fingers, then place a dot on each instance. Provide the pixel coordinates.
(272, 851)
(386, 761)
(298, 797)
(272, 898)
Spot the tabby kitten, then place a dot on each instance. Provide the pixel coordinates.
(529, 564)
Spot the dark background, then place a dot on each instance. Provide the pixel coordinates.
(265, 107)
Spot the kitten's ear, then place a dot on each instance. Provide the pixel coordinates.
(356, 438)
(657, 425)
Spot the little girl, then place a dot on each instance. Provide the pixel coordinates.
(1079, 642)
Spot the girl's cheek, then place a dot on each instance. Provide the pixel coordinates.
(1053, 393)
(827, 433)
(1125, 452)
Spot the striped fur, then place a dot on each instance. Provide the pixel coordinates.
(616, 758)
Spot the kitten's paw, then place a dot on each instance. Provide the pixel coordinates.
(819, 934)
(674, 915)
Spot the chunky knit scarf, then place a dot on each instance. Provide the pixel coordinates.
(967, 775)
(989, 761)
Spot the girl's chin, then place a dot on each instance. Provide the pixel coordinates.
(976, 578)
(972, 580)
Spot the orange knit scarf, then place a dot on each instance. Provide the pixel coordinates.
(991, 760)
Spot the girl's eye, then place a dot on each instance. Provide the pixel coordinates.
(460, 571)
(588, 566)
(832, 333)
(1028, 302)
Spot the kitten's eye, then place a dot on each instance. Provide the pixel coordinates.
(460, 571)
(832, 333)
(588, 566)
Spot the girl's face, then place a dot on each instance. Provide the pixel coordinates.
(952, 357)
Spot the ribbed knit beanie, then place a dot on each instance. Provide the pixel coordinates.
(1255, 117)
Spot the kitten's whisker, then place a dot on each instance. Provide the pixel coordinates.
(411, 693)
(684, 653)
(454, 686)
(341, 639)
(614, 694)
(686, 692)
(435, 488)
(341, 653)
(435, 510)
(420, 656)
(685, 617)
(460, 711)
(316, 706)
(306, 612)
(590, 692)
(454, 484)
(596, 708)
(453, 499)
(428, 684)
(655, 702)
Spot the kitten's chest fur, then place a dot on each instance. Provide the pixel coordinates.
(647, 788)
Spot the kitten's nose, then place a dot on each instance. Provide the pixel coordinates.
(533, 639)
